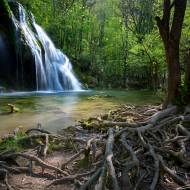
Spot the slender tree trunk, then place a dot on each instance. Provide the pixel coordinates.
(187, 68)
(171, 35)
(124, 11)
(187, 77)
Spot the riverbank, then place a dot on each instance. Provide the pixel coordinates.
(126, 147)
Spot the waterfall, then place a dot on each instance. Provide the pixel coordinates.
(53, 68)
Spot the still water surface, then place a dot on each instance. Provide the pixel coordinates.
(55, 111)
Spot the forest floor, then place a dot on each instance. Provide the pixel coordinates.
(132, 147)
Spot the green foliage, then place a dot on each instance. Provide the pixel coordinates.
(84, 163)
(55, 146)
(6, 8)
(182, 99)
(107, 43)
(17, 143)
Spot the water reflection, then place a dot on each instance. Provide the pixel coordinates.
(58, 110)
(53, 111)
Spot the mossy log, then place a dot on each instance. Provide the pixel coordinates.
(13, 108)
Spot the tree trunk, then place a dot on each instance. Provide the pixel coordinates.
(187, 68)
(124, 11)
(171, 35)
(187, 77)
(174, 74)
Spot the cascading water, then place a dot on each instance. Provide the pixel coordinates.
(53, 68)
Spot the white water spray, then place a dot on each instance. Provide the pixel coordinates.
(53, 68)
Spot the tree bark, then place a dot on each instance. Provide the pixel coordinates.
(187, 77)
(124, 11)
(171, 35)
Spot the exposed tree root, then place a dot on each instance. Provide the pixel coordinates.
(92, 180)
(73, 158)
(4, 174)
(172, 174)
(70, 178)
(109, 157)
(125, 149)
(37, 130)
(156, 167)
(40, 162)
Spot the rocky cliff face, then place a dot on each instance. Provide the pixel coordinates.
(17, 65)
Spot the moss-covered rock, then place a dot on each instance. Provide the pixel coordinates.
(17, 64)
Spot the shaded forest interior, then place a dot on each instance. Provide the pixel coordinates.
(112, 44)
